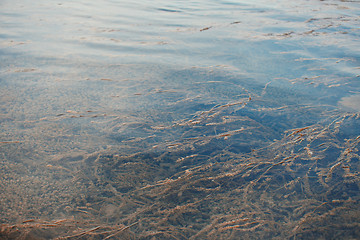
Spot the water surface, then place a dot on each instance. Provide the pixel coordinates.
(177, 120)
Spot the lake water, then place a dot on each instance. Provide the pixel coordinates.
(179, 119)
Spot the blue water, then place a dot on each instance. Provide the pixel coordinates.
(102, 99)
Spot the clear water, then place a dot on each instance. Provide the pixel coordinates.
(175, 120)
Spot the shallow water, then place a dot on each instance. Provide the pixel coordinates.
(201, 119)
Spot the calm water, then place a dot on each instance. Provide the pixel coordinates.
(175, 120)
